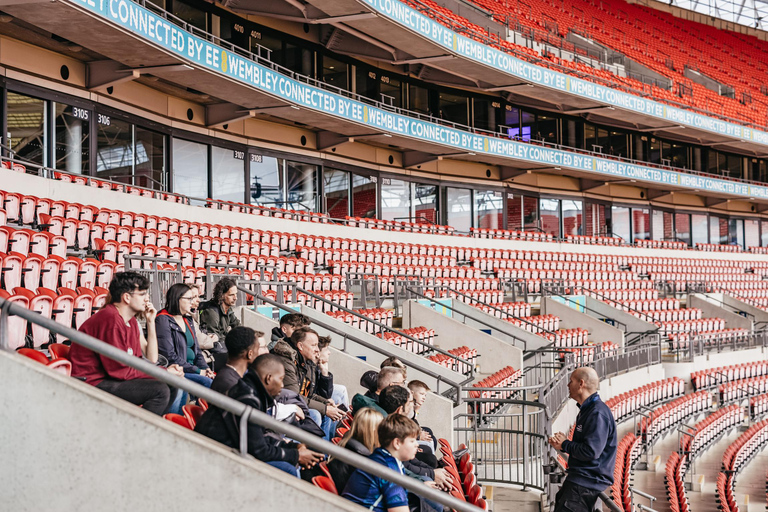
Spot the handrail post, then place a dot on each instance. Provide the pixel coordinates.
(244, 430)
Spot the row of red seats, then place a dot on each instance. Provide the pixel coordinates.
(719, 338)
(735, 458)
(710, 429)
(738, 390)
(702, 379)
(392, 225)
(660, 244)
(673, 479)
(503, 379)
(669, 415)
(507, 234)
(59, 360)
(718, 247)
(381, 315)
(628, 451)
(625, 405)
(464, 352)
(758, 406)
(384, 269)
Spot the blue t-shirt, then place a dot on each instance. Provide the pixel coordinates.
(373, 492)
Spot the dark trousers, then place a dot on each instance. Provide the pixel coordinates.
(151, 394)
(575, 498)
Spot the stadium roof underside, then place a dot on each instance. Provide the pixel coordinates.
(752, 13)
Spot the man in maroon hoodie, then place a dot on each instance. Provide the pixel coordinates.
(116, 324)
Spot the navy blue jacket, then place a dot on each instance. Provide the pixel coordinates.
(172, 343)
(592, 452)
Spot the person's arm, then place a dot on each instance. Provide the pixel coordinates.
(165, 345)
(149, 344)
(419, 468)
(210, 319)
(594, 441)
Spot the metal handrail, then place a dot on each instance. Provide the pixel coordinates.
(7, 308)
(376, 348)
(609, 301)
(478, 320)
(586, 308)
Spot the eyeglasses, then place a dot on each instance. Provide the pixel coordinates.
(189, 298)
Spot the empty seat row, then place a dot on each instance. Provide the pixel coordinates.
(504, 379)
(625, 405)
(463, 352)
(703, 379)
(669, 415)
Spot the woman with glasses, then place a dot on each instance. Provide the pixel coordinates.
(176, 339)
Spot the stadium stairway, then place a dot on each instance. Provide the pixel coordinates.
(60, 461)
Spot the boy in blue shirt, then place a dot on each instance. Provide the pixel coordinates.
(398, 438)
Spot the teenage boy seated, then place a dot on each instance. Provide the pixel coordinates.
(388, 376)
(258, 388)
(288, 324)
(420, 391)
(398, 440)
(116, 325)
(340, 394)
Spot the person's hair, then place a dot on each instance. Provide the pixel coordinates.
(392, 361)
(385, 376)
(126, 282)
(266, 363)
(364, 429)
(324, 342)
(239, 340)
(393, 397)
(222, 287)
(300, 334)
(295, 320)
(396, 426)
(173, 297)
(417, 384)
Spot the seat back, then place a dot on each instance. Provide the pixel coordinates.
(42, 304)
(63, 309)
(193, 413)
(12, 264)
(178, 419)
(325, 483)
(30, 271)
(59, 351)
(33, 354)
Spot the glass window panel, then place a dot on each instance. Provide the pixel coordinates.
(549, 210)
(595, 220)
(266, 181)
(654, 153)
(489, 209)
(454, 108)
(657, 218)
(114, 154)
(484, 114)
(683, 227)
(191, 15)
(363, 197)
(459, 205)
(27, 127)
(751, 233)
(227, 175)
(512, 121)
(391, 91)
(72, 151)
(300, 180)
(620, 223)
(418, 99)
(734, 163)
(764, 233)
(573, 133)
(395, 199)
(527, 122)
(150, 170)
(366, 83)
(678, 155)
(334, 72)
(736, 232)
(547, 129)
(619, 144)
(425, 203)
(641, 224)
(514, 212)
(699, 229)
(572, 221)
(336, 190)
(530, 212)
(190, 168)
(669, 226)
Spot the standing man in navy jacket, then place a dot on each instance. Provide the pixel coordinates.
(592, 452)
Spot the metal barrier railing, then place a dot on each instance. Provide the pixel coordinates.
(698, 344)
(160, 279)
(247, 414)
(454, 390)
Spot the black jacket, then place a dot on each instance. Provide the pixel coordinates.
(224, 427)
(303, 376)
(215, 321)
(172, 343)
(277, 335)
(340, 470)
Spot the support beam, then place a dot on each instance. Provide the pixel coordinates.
(343, 19)
(508, 173)
(328, 140)
(507, 87)
(715, 201)
(223, 113)
(422, 60)
(587, 110)
(761, 208)
(587, 184)
(655, 194)
(107, 73)
(658, 128)
(414, 158)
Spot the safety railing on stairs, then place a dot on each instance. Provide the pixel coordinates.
(246, 413)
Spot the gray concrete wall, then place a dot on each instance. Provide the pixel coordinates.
(494, 353)
(714, 310)
(758, 314)
(496, 327)
(68, 446)
(633, 323)
(570, 318)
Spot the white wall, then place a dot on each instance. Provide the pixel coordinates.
(67, 446)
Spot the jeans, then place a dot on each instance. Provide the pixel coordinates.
(285, 466)
(181, 397)
(151, 394)
(200, 379)
(324, 422)
(340, 395)
(575, 498)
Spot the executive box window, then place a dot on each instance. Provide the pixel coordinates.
(266, 181)
(641, 224)
(514, 212)
(364, 197)
(391, 91)
(114, 155)
(366, 83)
(546, 129)
(27, 127)
(228, 174)
(527, 126)
(489, 209)
(418, 99)
(395, 199)
(300, 180)
(424, 203)
(683, 227)
(764, 233)
(484, 112)
(572, 217)
(150, 155)
(699, 229)
(459, 205)
(530, 213)
(573, 133)
(595, 220)
(736, 232)
(751, 233)
(718, 230)
(190, 168)
(454, 108)
(336, 191)
(72, 132)
(334, 72)
(620, 223)
(549, 210)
